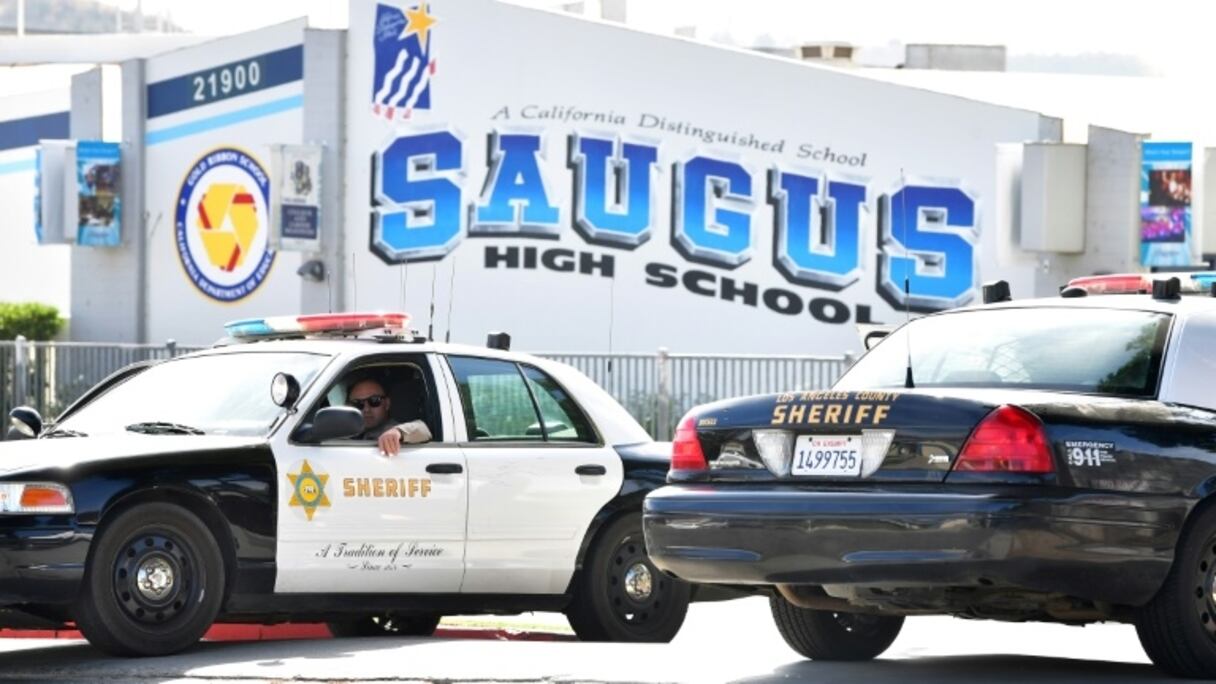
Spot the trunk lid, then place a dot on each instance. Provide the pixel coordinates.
(912, 435)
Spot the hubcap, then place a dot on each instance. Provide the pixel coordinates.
(1205, 588)
(154, 578)
(639, 594)
(638, 582)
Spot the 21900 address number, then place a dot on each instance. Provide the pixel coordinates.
(224, 81)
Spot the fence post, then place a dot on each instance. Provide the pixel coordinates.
(171, 345)
(663, 427)
(21, 372)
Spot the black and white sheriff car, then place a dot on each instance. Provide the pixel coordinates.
(226, 485)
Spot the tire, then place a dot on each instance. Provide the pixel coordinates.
(172, 555)
(386, 625)
(1178, 627)
(826, 635)
(620, 595)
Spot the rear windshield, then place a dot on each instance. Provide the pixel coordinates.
(1099, 351)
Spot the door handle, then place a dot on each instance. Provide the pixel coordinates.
(444, 468)
(591, 470)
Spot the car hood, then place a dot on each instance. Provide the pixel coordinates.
(66, 452)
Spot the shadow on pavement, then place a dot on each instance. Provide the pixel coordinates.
(76, 661)
(990, 669)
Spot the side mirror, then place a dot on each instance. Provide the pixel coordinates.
(333, 422)
(24, 423)
(871, 333)
(874, 338)
(551, 426)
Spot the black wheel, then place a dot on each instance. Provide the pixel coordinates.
(154, 583)
(825, 635)
(1178, 627)
(386, 625)
(620, 595)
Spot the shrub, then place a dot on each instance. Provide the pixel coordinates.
(34, 321)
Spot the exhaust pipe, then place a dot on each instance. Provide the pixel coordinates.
(813, 597)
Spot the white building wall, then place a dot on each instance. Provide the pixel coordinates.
(212, 113)
(1112, 212)
(831, 125)
(29, 271)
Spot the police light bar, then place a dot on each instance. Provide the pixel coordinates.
(318, 324)
(1142, 283)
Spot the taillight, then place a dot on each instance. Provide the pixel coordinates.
(686, 453)
(1008, 440)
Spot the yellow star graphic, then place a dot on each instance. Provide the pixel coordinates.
(419, 21)
(308, 490)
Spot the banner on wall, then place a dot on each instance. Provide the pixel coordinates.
(98, 170)
(1165, 204)
(296, 197)
(53, 176)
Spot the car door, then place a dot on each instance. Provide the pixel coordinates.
(352, 520)
(538, 474)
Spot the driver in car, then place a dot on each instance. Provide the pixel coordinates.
(370, 398)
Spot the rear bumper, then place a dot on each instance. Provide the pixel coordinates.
(1100, 547)
(42, 560)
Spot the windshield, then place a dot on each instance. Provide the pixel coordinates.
(219, 394)
(1100, 351)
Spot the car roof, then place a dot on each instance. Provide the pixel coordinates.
(354, 346)
(1184, 305)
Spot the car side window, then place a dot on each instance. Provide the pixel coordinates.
(405, 393)
(564, 420)
(497, 403)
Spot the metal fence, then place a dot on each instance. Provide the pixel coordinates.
(51, 375)
(656, 388)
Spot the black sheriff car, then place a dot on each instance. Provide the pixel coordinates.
(1044, 460)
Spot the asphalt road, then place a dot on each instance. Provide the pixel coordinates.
(722, 642)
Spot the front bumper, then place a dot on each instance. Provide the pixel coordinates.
(1096, 546)
(42, 560)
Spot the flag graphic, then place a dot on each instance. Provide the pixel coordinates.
(404, 64)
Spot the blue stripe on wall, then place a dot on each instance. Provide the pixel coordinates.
(18, 166)
(226, 81)
(221, 120)
(28, 131)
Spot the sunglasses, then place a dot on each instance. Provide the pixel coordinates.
(373, 401)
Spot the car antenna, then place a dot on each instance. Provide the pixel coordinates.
(329, 290)
(611, 318)
(405, 281)
(430, 324)
(903, 211)
(354, 280)
(447, 336)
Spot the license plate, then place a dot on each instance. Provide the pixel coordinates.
(827, 456)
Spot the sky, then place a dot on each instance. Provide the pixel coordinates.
(1169, 39)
